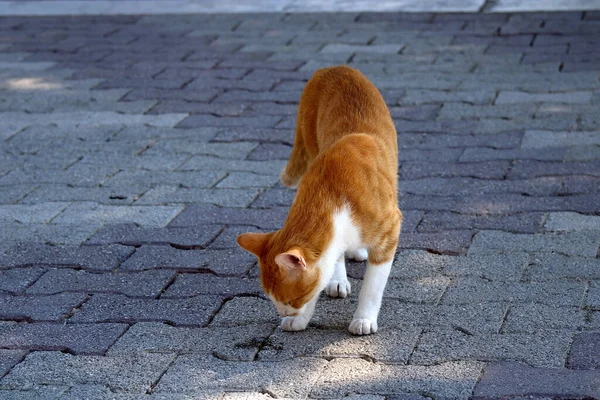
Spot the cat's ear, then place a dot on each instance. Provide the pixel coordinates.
(253, 242)
(292, 259)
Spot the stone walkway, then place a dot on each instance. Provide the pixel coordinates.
(135, 149)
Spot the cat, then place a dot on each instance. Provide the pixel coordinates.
(344, 163)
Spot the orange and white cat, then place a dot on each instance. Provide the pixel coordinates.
(345, 165)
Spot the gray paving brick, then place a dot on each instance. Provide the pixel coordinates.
(204, 163)
(540, 349)
(14, 281)
(127, 178)
(583, 153)
(533, 317)
(543, 139)
(232, 344)
(508, 379)
(131, 373)
(133, 235)
(210, 214)
(447, 380)
(570, 221)
(243, 311)
(549, 122)
(58, 235)
(585, 352)
(579, 184)
(270, 151)
(195, 311)
(481, 170)
(196, 373)
(593, 296)
(187, 285)
(583, 243)
(275, 197)
(550, 267)
(39, 308)
(387, 346)
(508, 97)
(223, 262)
(77, 339)
(108, 214)
(9, 358)
(35, 392)
(228, 238)
(448, 242)
(185, 146)
(484, 154)
(141, 284)
(93, 258)
(31, 213)
(77, 175)
(415, 96)
(225, 197)
(518, 223)
(468, 186)
(14, 193)
(524, 169)
(561, 293)
(263, 135)
(244, 180)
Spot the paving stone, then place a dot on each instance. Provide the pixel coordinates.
(561, 293)
(579, 184)
(14, 193)
(127, 178)
(141, 284)
(57, 235)
(585, 352)
(34, 213)
(203, 163)
(228, 238)
(583, 243)
(131, 373)
(540, 349)
(264, 135)
(593, 296)
(186, 146)
(387, 346)
(222, 262)
(77, 339)
(525, 169)
(433, 96)
(8, 359)
(448, 242)
(533, 317)
(15, 281)
(135, 235)
(232, 344)
(275, 197)
(507, 97)
(270, 151)
(98, 213)
(93, 258)
(507, 379)
(237, 180)
(484, 154)
(481, 170)
(583, 153)
(447, 380)
(176, 194)
(187, 285)
(77, 175)
(195, 311)
(550, 267)
(469, 186)
(543, 139)
(243, 311)
(194, 373)
(39, 308)
(518, 223)
(209, 214)
(570, 221)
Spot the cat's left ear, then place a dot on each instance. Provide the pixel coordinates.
(253, 242)
(292, 259)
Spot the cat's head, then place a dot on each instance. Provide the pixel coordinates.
(288, 276)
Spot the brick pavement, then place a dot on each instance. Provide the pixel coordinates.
(135, 149)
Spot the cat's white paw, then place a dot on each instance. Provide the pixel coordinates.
(292, 324)
(358, 255)
(362, 326)
(338, 288)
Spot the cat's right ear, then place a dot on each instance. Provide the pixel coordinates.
(253, 242)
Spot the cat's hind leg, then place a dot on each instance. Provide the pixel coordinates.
(339, 285)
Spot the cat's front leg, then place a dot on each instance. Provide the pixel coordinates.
(300, 321)
(339, 285)
(364, 321)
